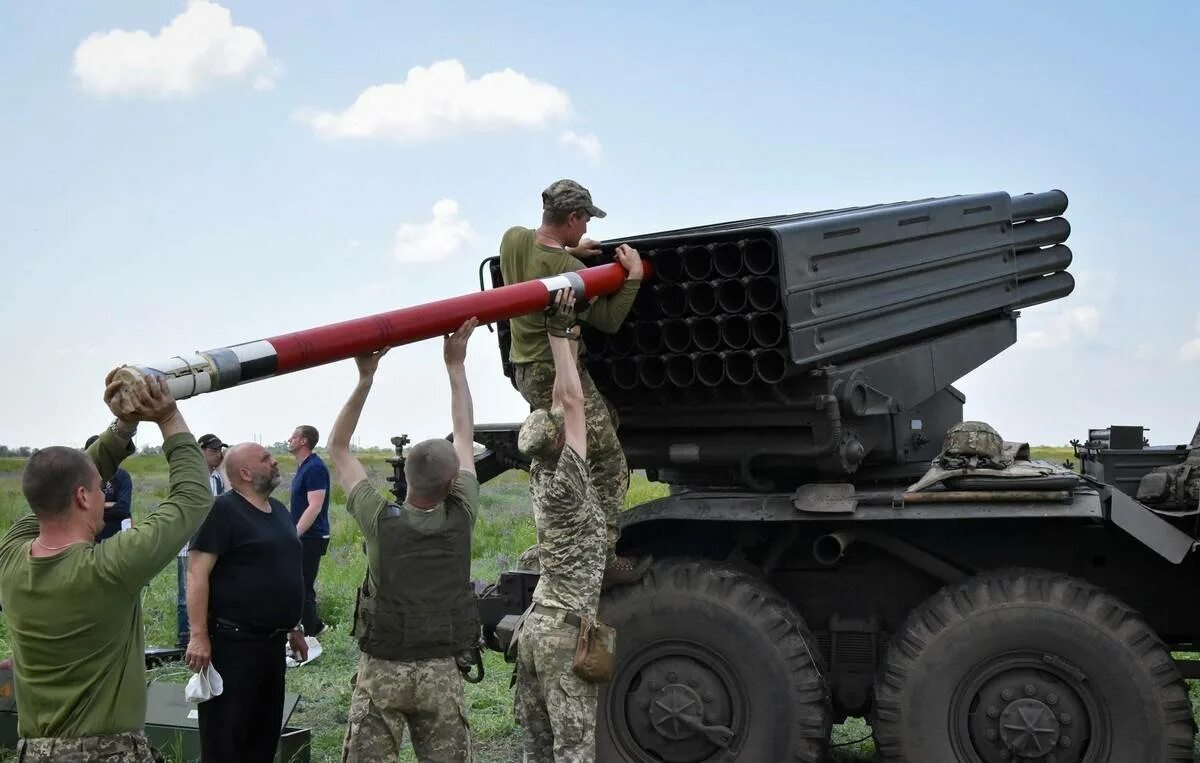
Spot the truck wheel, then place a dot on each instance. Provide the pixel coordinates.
(1022, 665)
(712, 665)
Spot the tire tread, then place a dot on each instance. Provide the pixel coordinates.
(766, 612)
(960, 601)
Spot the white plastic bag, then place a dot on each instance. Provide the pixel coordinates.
(292, 659)
(204, 685)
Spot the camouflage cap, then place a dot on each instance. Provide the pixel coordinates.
(538, 437)
(569, 196)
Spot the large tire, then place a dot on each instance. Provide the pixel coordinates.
(1027, 665)
(700, 640)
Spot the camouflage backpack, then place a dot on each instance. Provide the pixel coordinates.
(1171, 487)
(1175, 487)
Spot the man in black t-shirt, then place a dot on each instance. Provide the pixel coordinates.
(245, 597)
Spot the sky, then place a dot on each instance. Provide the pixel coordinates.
(181, 176)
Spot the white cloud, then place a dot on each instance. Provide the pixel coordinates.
(1062, 327)
(1190, 351)
(199, 46)
(434, 100)
(1098, 285)
(587, 143)
(439, 239)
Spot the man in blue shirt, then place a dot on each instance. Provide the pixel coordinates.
(118, 500)
(310, 512)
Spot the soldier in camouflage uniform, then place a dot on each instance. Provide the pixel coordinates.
(416, 611)
(555, 708)
(555, 248)
(130, 747)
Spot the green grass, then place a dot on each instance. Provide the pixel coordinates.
(505, 528)
(1054, 455)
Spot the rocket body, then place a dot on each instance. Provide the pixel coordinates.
(224, 367)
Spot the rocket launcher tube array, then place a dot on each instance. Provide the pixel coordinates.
(226, 367)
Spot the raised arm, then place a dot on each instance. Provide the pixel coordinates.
(107, 452)
(116, 442)
(568, 390)
(349, 470)
(133, 557)
(462, 412)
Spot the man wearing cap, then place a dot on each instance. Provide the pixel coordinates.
(555, 248)
(214, 453)
(555, 707)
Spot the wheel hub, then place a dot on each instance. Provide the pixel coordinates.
(679, 707)
(672, 708)
(1024, 708)
(1029, 728)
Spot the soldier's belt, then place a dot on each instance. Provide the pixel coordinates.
(566, 616)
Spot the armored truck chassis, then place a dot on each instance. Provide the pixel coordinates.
(788, 377)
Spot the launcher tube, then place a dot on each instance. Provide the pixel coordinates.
(1031, 206)
(224, 367)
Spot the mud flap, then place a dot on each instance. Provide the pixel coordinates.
(1152, 530)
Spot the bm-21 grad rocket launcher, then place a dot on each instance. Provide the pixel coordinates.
(781, 350)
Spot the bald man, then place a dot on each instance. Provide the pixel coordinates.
(245, 598)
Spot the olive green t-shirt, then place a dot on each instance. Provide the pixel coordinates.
(523, 259)
(368, 506)
(75, 619)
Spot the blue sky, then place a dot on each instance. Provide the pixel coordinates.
(168, 191)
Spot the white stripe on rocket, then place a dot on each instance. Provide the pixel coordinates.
(254, 351)
(554, 283)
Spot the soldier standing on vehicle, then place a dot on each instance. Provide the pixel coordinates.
(555, 707)
(416, 611)
(555, 248)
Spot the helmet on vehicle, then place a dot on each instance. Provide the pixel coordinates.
(973, 438)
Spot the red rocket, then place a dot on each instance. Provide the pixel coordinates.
(224, 367)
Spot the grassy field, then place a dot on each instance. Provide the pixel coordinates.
(505, 529)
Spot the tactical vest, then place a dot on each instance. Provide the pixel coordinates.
(424, 606)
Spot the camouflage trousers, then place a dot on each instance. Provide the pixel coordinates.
(605, 458)
(425, 694)
(555, 708)
(128, 747)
